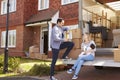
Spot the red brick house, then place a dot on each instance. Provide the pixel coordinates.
(31, 21)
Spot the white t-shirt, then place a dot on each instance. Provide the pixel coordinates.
(86, 47)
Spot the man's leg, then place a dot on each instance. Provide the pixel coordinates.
(55, 53)
(68, 45)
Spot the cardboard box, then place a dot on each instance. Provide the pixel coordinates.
(77, 43)
(33, 49)
(76, 33)
(98, 40)
(44, 56)
(35, 55)
(38, 56)
(74, 53)
(117, 55)
(119, 46)
(32, 55)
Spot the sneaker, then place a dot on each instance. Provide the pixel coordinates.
(70, 71)
(75, 77)
(52, 78)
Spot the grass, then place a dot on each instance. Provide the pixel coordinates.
(26, 64)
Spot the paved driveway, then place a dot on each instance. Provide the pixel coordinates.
(87, 73)
(90, 73)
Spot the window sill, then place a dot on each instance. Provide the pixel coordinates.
(42, 9)
(69, 3)
(9, 13)
(9, 47)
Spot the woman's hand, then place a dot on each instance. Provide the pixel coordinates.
(89, 51)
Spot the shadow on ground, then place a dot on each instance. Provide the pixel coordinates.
(19, 78)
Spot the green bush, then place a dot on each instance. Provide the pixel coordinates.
(40, 70)
(13, 62)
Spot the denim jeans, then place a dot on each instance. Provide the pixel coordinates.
(80, 60)
(55, 52)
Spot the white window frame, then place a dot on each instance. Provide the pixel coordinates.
(11, 38)
(64, 2)
(45, 4)
(12, 7)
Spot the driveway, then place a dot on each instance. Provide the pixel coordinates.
(87, 73)
(90, 73)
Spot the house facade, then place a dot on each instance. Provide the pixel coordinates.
(31, 21)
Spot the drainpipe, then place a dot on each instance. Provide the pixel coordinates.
(48, 36)
(80, 13)
(5, 68)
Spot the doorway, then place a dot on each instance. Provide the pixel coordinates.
(44, 40)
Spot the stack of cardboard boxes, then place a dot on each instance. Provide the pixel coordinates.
(97, 38)
(117, 54)
(75, 36)
(34, 53)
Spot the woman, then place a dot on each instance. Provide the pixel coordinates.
(88, 48)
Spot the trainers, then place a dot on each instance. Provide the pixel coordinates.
(75, 77)
(70, 71)
(52, 78)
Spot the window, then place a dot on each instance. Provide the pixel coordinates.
(12, 7)
(11, 38)
(43, 4)
(68, 1)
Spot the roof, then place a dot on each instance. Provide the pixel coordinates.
(41, 16)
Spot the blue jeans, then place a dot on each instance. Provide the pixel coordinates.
(80, 60)
(55, 52)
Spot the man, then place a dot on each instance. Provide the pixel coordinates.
(59, 42)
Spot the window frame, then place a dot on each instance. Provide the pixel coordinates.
(63, 2)
(11, 8)
(44, 5)
(11, 38)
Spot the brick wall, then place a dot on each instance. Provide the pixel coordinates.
(16, 18)
(68, 12)
(28, 38)
(30, 8)
(36, 39)
(18, 50)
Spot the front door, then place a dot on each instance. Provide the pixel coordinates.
(44, 40)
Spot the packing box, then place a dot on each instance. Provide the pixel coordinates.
(77, 43)
(117, 55)
(33, 49)
(119, 46)
(73, 53)
(38, 56)
(76, 33)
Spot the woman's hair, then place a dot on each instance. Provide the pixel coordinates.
(88, 36)
(59, 20)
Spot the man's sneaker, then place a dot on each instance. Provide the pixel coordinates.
(70, 71)
(52, 78)
(75, 77)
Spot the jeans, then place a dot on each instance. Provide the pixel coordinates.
(55, 52)
(80, 60)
